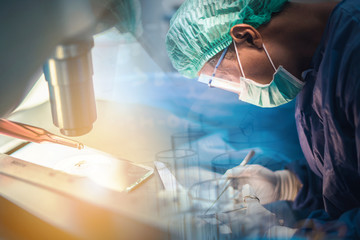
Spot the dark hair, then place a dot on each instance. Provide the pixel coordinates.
(230, 55)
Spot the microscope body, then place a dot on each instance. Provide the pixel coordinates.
(58, 36)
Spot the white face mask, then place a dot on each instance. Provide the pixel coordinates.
(282, 89)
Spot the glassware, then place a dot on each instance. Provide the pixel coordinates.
(215, 196)
(179, 161)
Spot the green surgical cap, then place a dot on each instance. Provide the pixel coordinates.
(201, 28)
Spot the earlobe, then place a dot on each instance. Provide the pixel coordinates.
(246, 33)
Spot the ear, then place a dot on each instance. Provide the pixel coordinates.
(246, 33)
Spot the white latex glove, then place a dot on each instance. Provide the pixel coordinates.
(268, 186)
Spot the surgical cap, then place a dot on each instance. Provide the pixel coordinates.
(201, 28)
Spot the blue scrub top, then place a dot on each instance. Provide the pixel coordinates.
(328, 120)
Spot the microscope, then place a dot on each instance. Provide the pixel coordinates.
(69, 75)
(58, 35)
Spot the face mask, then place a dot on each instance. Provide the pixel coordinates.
(282, 89)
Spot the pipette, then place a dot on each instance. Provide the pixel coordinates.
(228, 181)
(34, 134)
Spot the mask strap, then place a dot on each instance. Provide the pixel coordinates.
(218, 64)
(268, 55)
(238, 59)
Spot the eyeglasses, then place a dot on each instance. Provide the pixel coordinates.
(223, 84)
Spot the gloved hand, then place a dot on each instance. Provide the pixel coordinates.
(267, 185)
(254, 221)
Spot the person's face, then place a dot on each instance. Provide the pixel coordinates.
(253, 58)
(255, 63)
